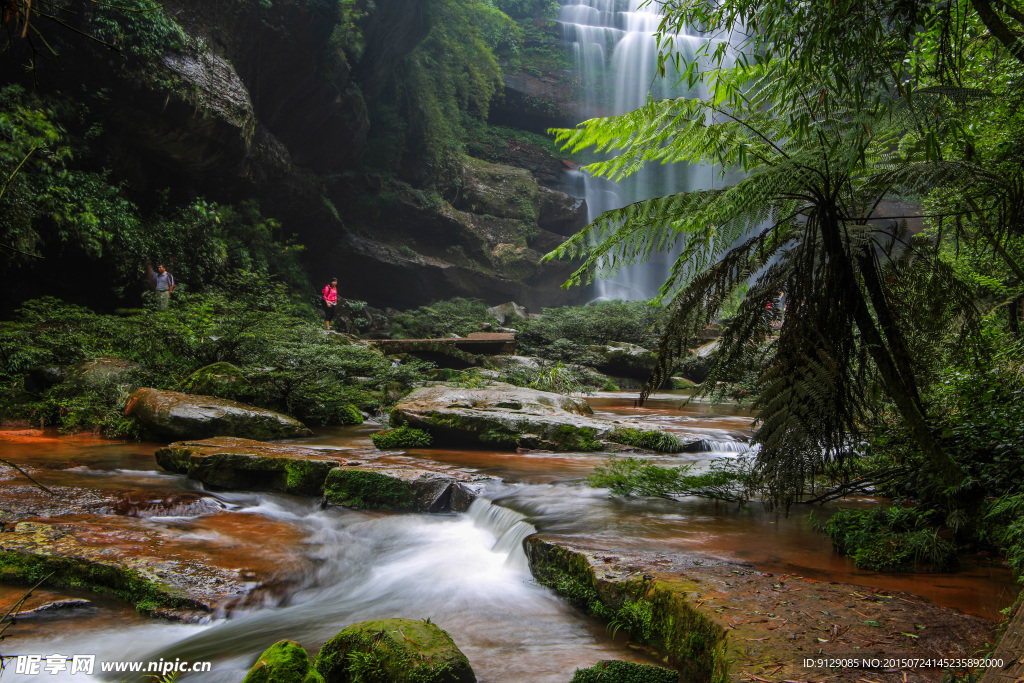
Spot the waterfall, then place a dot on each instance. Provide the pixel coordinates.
(616, 55)
(509, 528)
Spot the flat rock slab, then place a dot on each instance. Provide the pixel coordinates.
(182, 571)
(509, 417)
(716, 620)
(25, 501)
(235, 463)
(254, 465)
(174, 415)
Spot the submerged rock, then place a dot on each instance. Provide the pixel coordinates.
(283, 662)
(234, 463)
(508, 417)
(398, 650)
(175, 415)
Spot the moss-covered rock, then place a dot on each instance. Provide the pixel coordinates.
(623, 359)
(662, 442)
(247, 464)
(405, 489)
(283, 662)
(175, 415)
(507, 417)
(156, 569)
(403, 437)
(393, 651)
(613, 671)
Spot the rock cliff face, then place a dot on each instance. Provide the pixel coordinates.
(263, 105)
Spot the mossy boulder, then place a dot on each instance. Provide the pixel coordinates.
(499, 190)
(283, 662)
(403, 437)
(174, 415)
(218, 379)
(233, 463)
(393, 651)
(614, 671)
(404, 489)
(96, 372)
(623, 359)
(507, 417)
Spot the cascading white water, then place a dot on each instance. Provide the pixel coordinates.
(616, 54)
(510, 528)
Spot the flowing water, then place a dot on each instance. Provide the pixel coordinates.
(466, 572)
(616, 54)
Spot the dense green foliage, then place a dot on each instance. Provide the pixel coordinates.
(662, 442)
(895, 368)
(564, 333)
(402, 437)
(624, 672)
(287, 362)
(440, 319)
(890, 539)
(723, 479)
(55, 209)
(444, 86)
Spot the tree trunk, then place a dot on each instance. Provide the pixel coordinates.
(948, 471)
(893, 336)
(998, 28)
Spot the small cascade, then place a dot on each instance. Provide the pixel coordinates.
(509, 528)
(722, 446)
(616, 54)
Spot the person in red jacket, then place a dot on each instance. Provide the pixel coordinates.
(330, 300)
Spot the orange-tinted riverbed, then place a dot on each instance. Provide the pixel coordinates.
(463, 571)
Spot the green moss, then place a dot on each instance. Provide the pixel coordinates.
(612, 671)
(364, 489)
(403, 437)
(305, 477)
(283, 662)
(570, 438)
(654, 613)
(502, 438)
(218, 379)
(348, 414)
(651, 440)
(890, 539)
(393, 651)
(106, 579)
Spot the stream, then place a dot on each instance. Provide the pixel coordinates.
(466, 572)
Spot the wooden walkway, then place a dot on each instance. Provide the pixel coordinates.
(1010, 649)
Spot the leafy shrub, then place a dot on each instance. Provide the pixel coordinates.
(724, 479)
(403, 437)
(439, 319)
(893, 539)
(662, 442)
(288, 363)
(612, 671)
(564, 333)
